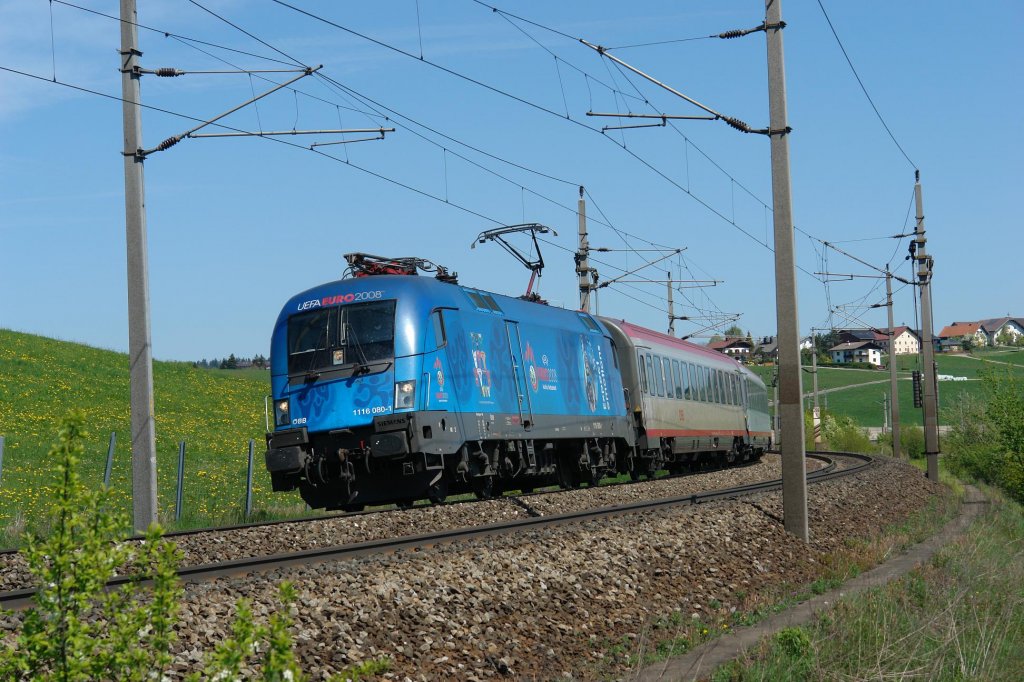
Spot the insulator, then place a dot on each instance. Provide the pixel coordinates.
(167, 72)
(736, 33)
(168, 143)
(737, 124)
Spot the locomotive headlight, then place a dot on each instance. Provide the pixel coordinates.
(282, 413)
(405, 395)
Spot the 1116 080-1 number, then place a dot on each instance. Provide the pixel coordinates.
(379, 409)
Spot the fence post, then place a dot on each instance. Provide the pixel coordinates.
(1, 457)
(181, 478)
(248, 482)
(110, 459)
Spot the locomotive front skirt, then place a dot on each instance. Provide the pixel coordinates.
(393, 388)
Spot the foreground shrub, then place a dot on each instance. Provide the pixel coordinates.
(986, 438)
(79, 630)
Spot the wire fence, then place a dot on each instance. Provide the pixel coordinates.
(205, 488)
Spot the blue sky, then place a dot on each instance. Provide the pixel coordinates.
(236, 226)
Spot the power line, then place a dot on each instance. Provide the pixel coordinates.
(530, 104)
(864, 89)
(169, 34)
(663, 42)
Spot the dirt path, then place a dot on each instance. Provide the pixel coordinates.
(702, 661)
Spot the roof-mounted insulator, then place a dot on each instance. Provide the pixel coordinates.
(168, 143)
(168, 72)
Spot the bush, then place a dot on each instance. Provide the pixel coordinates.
(839, 433)
(911, 441)
(986, 439)
(79, 630)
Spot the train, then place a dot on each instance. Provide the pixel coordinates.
(391, 387)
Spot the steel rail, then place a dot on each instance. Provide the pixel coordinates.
(392, 508)
(21, 599)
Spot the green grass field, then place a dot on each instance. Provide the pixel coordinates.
(1013, 356)
(215, 412)
(828, 377)
(864, 403)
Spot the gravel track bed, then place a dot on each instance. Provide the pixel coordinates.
(544, 603)
(214, 546)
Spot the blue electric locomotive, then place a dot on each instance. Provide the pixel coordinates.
(393, 388)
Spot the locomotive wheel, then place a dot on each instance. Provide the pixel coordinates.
(483, 487)
(354, 507)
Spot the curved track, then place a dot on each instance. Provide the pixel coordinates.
(19, 599)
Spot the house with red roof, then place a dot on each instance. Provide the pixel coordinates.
(952, 336)
(735, 346)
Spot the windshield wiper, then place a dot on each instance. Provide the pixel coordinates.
(362, 366)
(311, 374)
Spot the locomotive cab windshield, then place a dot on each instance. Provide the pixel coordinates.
(342, 340)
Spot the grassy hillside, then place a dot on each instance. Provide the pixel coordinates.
(827, 377)
(863, 403)
(215, 412)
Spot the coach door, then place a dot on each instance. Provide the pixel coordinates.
(515, 347)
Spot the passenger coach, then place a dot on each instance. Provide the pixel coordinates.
(689, 403)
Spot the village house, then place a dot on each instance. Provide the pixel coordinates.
(736, 347)
(951, 338)
(857, 351)
(1006, 329)
(767, 348)
(905, 341)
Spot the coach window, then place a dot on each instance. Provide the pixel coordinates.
(713, 381)
(723, 388)
(642, 372)
(658, 377)
(691, 391)
(679, 381)
(651, 388)
(670, 389)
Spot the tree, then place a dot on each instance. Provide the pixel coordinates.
(230, 363)
(734, 332)
(968, 342)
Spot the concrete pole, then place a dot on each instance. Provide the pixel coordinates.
(794, 476)
(924, 272)
(140, 348)
(582, 264)
(894, 395)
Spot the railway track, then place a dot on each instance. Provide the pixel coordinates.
(20, 599)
